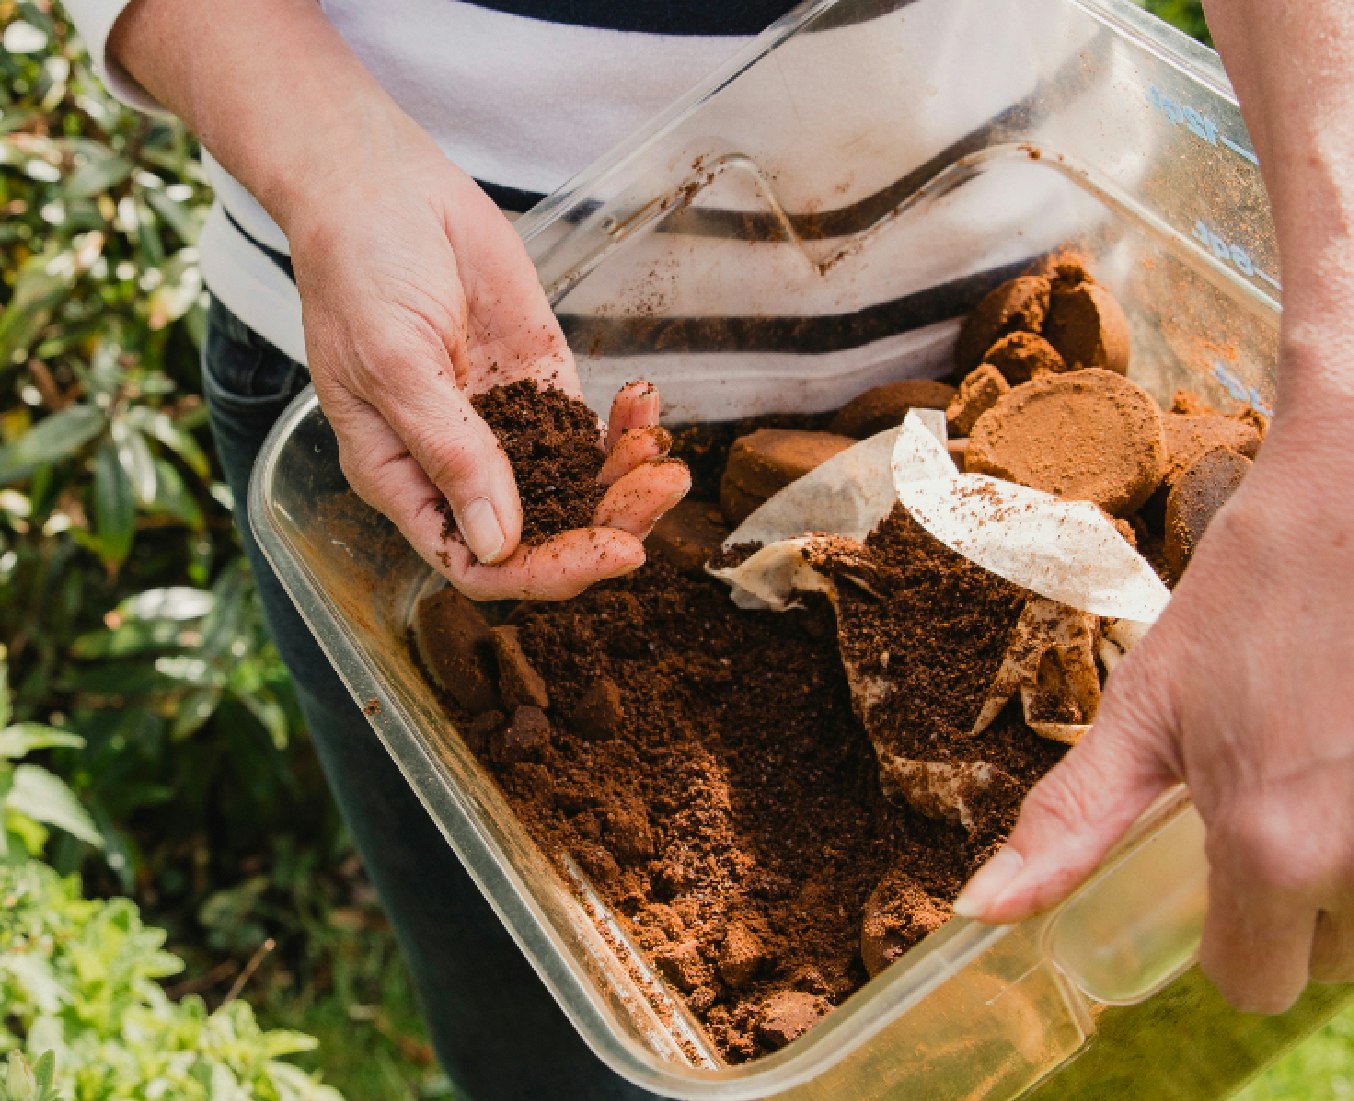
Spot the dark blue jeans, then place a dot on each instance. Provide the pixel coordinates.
(497, 1031)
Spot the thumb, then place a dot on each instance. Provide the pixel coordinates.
(414, 390)
(1076, 813)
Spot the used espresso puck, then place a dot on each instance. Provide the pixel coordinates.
(883, 407)
(1196, 497)
(1087, 327)
(1020, 355)
(1018, 305)
(1087, 435)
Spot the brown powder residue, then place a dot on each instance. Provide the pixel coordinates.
(1087, 435)
(554, 446)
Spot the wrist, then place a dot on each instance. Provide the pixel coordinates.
(356, 155)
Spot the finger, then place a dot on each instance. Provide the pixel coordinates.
(633, 449)
(1257, 943)
(384, 474)
(456, 450)
(560, 568)
(638, 499)
(1333, 947)
(1076, 813)
(636, 405)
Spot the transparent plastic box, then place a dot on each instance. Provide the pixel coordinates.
(813, 220)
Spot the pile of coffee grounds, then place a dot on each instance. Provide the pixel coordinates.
(729, 809)
(927, 629)
(553, 443)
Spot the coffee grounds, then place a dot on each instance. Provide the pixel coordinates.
(733, 819)
(924, 631)
(553, 444)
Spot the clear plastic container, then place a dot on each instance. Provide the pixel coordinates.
(813, 220)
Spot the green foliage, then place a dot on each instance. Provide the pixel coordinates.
(29, 1082)
(31, 797)
(124, 603)
(79, 980)
(1188, 15)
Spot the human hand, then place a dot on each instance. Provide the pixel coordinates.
(1243, 692)
(416, 293)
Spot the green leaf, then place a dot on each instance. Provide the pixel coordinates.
(44, 1070)
(46, 798)
(270, 714)
(174, 602)
(161, 428)
(6, 710)
(173, 498)
(42, 281)
(193, 712)
(100, 172)
(22, 738)
(56, 437)
(133, 637)
(138, 463)
(180, 217)
(114, 506)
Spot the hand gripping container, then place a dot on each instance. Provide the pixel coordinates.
(809, 222)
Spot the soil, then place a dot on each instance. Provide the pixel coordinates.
(553, 444)
(1085, 435)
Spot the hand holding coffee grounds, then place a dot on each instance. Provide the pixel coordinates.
(554, 444)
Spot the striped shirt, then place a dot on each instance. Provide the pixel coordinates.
(521, 94)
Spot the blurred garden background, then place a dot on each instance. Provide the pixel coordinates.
(193, 923)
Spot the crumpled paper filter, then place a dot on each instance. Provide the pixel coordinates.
(1067, 553)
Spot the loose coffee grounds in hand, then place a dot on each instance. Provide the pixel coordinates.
(553, 443)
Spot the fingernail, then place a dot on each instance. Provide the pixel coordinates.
(989, 884)
(480, 527)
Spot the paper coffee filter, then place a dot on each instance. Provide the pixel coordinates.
(847, 496)
(1067, 551)
(1069, 554)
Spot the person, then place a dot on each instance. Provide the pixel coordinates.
(359, 147)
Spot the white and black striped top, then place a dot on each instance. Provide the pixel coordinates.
(521, 94)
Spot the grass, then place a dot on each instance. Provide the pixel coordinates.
(1320, 1068)
(372, 1043)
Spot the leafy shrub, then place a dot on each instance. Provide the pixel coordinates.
(78, 978)
(124, 603)
(1188, 15)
